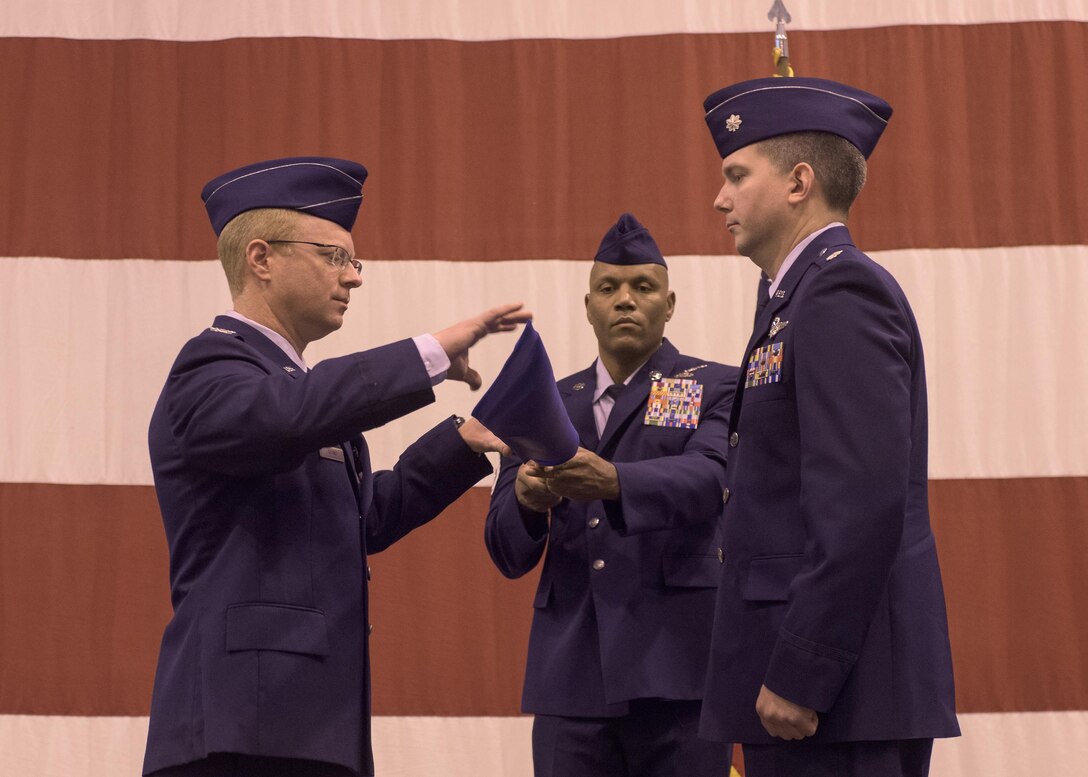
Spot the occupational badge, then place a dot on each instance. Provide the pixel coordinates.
(764, 365)
(675, 403)
(689, 372)
(777, 326)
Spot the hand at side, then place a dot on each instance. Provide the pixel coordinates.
(782, 718)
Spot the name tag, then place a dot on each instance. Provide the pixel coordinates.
(674, 402)
(765, 365)
(332, 453)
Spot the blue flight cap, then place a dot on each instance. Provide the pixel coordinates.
(628, 242)
(320, 186)
(763, 108)
(523, 409)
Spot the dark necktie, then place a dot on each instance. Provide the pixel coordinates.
(612, 392)
(762, 297)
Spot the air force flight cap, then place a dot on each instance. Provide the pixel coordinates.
(756, 110)
(628, 242)
(320, 186)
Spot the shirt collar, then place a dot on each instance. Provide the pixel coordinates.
(604, 380)
(791, 257)
(275, 337)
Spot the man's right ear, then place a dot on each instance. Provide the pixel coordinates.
(257, 255)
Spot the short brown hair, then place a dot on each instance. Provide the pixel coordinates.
(261, 223)
(837, 163)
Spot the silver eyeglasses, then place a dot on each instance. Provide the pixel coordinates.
(339, 259)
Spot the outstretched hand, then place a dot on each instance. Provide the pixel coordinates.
(481, 439)
(457, 339)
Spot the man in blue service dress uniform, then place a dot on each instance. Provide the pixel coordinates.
(619, 640)
(267, 495)
(830, 653)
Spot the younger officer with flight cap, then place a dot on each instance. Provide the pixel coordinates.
(830, 654)
(267, 495)
(624, 606)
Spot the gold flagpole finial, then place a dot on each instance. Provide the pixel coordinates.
(780, 16)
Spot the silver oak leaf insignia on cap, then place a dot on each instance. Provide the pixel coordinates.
(733, 123)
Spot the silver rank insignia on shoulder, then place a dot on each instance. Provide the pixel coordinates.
(655, 375)
(833, 256)
(689, 372)
(288, 369)
(222, 331)
(777, 326)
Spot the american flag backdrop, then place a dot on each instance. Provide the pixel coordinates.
(503, 138)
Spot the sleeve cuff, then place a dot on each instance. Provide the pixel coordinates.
(435, 360)
(808, 673)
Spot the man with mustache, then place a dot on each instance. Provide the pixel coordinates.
(624, 605)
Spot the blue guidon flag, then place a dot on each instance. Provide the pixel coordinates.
(523, 408)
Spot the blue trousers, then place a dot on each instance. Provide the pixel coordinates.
(236, 765)
(656, 738)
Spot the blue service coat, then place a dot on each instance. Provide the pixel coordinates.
(640, 626)
(830, 592)
(270, 508)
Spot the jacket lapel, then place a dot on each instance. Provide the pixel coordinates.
(811, 256)
(356, 458)
(579, 405)
(258, 340)
(633, 398)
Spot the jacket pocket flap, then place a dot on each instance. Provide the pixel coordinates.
(277, 627)
(691, 570)
(769, 577)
